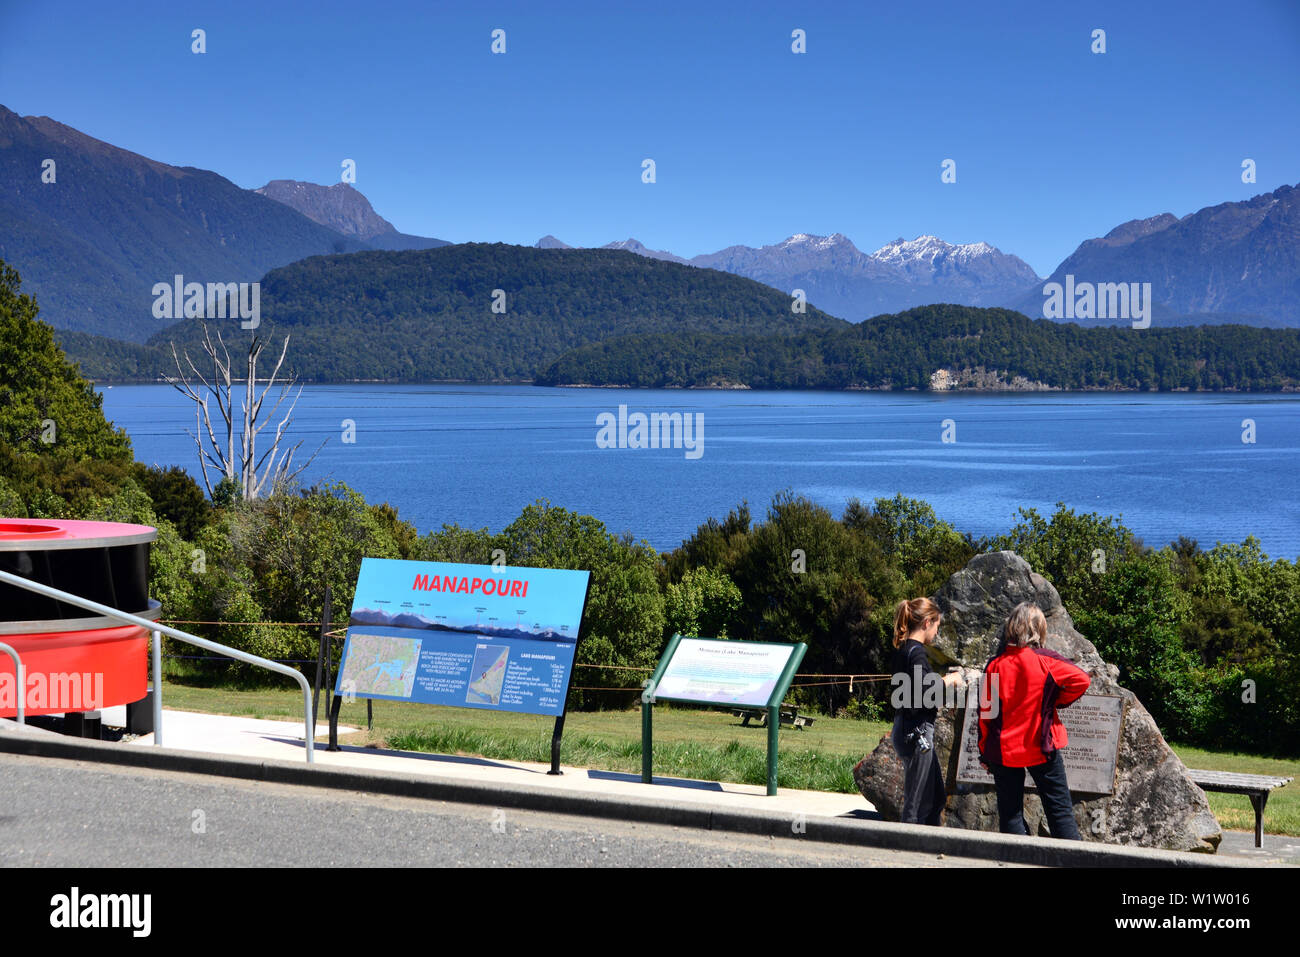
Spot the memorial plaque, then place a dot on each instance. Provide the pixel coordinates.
(1093, 723)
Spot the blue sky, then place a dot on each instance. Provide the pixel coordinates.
(1053, 144)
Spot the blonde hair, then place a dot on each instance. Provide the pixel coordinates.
(1026, 626)
(911, 615)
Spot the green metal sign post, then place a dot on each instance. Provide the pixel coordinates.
(716, 685)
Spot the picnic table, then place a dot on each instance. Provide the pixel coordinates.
(1255, 786)
(789, 715)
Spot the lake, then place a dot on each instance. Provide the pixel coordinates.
(1168, 464)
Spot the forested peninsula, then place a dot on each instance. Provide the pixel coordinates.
(945, 347)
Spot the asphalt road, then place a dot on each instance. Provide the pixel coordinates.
(60, 813)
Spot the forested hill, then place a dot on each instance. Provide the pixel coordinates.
(427, 315)
(976, 348)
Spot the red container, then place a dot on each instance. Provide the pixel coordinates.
(74, 660)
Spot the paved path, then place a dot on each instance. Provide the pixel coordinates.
(282, 740)
(76, 813)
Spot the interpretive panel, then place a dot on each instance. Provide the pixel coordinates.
(478, 636)
(711, 671)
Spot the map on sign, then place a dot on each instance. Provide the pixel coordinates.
(380, 665)
(487, 675)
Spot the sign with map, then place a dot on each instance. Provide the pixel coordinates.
(477, 636)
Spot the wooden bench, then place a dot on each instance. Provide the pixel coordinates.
(789, 716)
(1254, 786)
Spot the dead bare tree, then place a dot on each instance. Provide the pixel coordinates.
(243, 467)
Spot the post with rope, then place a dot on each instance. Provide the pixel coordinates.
(322, 654)
(557, 733)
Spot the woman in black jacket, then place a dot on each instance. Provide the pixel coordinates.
(916, 693)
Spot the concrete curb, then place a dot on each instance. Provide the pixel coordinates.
(951, 842)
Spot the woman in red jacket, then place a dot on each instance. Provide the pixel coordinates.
(1025, 733)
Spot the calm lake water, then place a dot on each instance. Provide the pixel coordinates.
(1169, 465)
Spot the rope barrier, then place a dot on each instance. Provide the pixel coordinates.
(338, 632)
(284, 661)
(797, 684)
(186, 621)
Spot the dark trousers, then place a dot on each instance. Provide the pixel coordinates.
(1053, 790)
(923, 793)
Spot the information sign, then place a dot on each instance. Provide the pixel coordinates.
(475, 636)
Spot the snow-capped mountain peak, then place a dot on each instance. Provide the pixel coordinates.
(928, 249)
(812, 242)
(921, 248)
(845, 281)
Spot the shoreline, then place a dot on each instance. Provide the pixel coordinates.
(961, 390)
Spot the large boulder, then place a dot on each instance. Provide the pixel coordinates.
(1155, 802)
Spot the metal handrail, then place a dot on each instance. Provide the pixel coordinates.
(309, 725)
(18, 673)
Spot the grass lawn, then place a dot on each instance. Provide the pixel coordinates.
(708, 745)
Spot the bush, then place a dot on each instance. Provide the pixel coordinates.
(1252, 709)
(624, 622)
(271, 559)
(865, 708)
(176, 497)
(1073, 552)
(705, 602)
(1135, 625)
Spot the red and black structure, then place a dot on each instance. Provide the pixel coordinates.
(104, 562)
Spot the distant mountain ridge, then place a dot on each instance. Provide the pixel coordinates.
(638, 247)
(345, 210)
(841, 279)
(91, 244)
(380, 617)
(1239, 260)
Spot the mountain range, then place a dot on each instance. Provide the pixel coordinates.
(841, 279)
(93, 228)
(380, 617)
(1235, 262)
